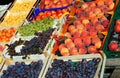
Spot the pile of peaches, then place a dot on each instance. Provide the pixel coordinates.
(95, 9)
(6, 34)
(114, 44)
(46, 4)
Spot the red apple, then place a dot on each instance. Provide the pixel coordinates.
(113, 46)
(117, 28)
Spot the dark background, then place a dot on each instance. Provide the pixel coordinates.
(3, 2)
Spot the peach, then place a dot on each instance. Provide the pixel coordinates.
(95, 40)
(105, 23)
(92, 49)
(103, 18)
(47, 2)
(77, 34)
(55, 1)
(73, 51)
(100, 3)
(92, 4)
(64, 52)
(111, 6)
(70, 45)
(77, 41)
(61, 46)
(80, 27)
(68, 41)
(84, 34)
(71, 27)
(68, 34)
(93, 33)
(113, 46)
(98, 44)
(81, 45)
(82, 50)
(108, 2)
(97, 11)
(73, 31)
(99, 27)
(91, 14)
(87, 26)
(85, 21)
(87, 41)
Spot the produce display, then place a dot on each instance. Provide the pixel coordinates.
(6, 34)
(35, 46)
(22, 70)
(70, 69)
(54, 14)
(114, 44)
(46, 4)
(31, 28)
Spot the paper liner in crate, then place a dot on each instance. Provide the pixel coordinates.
(28, 61)
(75, 59)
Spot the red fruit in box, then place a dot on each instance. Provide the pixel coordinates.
(42, 6)
(61, 46)
(73, 51)
(77, 34)
(81, 45)
(113, 46)
(88, 26)
(64, 52)
(68, 34)
(84, 34)
(93, 33)
(99, 27)
(68, 41)
(70, 45)
(105, 23)
(87, 41)
(73, 31)
(71, 27)
(77, 41)
(98, 44)
(117, 28)
(82, 50)
(92, 49)
(80, 27)
(118, 22)
(95, 40)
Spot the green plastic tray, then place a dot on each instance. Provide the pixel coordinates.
(112, 54)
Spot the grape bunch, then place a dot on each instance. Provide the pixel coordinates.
(22, 70)
(31, 28)
(35, 46)
(69, 69)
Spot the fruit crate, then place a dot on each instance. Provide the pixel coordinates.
(79, 58)
(112, 54)
(27, 62)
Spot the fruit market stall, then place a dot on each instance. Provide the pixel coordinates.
(59, 38)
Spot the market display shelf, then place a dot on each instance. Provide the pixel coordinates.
(112, 54)
(28, 61)
(75, 59)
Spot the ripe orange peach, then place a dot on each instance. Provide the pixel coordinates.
(68, 41)
(92, 49)
(84, 34)
(100, 3)
(64, 52)
(85, 21)
(77, 41)
(77, 34)
(99, 27)
(80, 26)
(87, 41)
(80, 45)
(73, 51)
(61, 46)
(73, 31)
(95, 40)
(71, 27)
(82, 50)
(98, 44)
(68, 34)
(70, 45)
